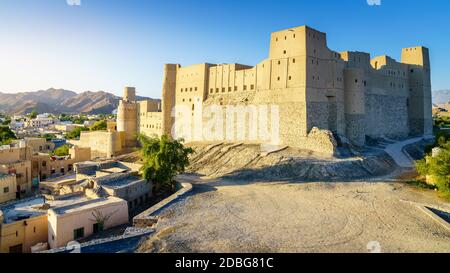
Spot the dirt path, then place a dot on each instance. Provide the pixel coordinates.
(233, 216)
(395, 150)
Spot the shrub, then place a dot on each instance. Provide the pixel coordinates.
(438, 167)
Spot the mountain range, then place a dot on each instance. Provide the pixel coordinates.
(441, 97)
(60, 101)
(65, 101)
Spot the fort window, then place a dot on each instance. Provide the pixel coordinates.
(284, 51)
(365, 83)
(217, 90)
(376, 65)
(223, 89)
(356, 80)
(285, 37)
(278, 78)
(211, 90)
(195, 89)
(245, 87)
(190, 89)
(293, 60)
(252, 87)
(412, 70)
(235, 88)
(290, 77)
(279, 62)
(229, 89)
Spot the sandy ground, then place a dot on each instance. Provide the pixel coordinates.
(233, 216)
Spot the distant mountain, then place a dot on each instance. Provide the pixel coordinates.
(60, 101)
(441, 96)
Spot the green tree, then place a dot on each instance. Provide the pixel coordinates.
(6, 135)
(49, 137)
(438, 167)
(99, 126)
(33, 114)
(61, 151)
(75, 133)
(164, 158)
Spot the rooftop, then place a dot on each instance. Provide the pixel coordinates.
(85, 204)
(34, 207)
(119, 180)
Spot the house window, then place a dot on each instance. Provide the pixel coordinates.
(78, 233)
(284, 51)
(229, 89)
(290, 77)
(223, 89)
(97, 227)
(245, 87)
(278, 78)
(235, 88)
(252, 87)
(195, 88)
(217, 90)
(293, 60)
(5, 189)
(279, 62)
(356, 80)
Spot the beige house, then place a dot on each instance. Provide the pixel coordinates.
(66, 128)
(8, 187)
(46, 166)
(86, 217)
(23, 224)
(16, 161)
(35, 221)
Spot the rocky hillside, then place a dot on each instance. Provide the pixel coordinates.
(59, 101)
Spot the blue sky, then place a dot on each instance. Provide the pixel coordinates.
(108, 44)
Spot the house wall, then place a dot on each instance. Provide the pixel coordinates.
(61, 226)
(27, 233)
(8, 188)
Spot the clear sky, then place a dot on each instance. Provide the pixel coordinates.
(109, 44)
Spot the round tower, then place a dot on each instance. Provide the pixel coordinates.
(127, 117)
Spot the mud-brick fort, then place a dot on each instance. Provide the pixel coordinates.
(321, 95)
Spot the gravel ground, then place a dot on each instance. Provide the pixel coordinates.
(233, 216)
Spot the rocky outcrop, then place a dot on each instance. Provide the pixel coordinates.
(250, 162)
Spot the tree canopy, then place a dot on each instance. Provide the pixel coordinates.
(99, 126)
(6, 135)
(164, 158)
(61, 151)
(75, 133)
